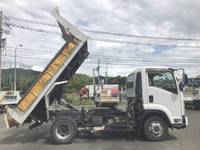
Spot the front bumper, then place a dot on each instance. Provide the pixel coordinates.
(184, 123)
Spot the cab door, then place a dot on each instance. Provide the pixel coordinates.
(163, 93)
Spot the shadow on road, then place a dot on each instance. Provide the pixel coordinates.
(115, 136)
(42, 136)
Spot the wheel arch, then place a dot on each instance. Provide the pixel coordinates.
(159, 113)
(149, 113)
(69, 118)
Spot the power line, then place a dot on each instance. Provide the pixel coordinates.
(32, 21)
(127, 59)
(133, 65)
(26, 52)
(142, 44)
(144, 58)
(117, 58)
(108, 40)
(110, 33)
(104, 63)
(33, 29)
(105, 40)
(29, 49)
(142, 36)
(53, 40)
(130, 59)
(27, 57)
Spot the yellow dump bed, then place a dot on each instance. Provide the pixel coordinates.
(62, 67)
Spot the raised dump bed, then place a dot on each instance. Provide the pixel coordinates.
(61, 68)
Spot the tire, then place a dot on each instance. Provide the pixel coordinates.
(155, 128)
(63, 130)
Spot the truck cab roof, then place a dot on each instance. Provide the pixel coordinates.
(144, 68)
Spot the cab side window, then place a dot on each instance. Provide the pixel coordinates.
(163, 80)
(130, 81)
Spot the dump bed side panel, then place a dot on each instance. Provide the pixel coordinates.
(46, 76)
(62, 67)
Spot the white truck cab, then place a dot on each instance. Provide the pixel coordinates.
(155, 91)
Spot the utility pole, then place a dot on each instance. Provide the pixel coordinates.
(94, 93)
(98, 70)
(106, 74)
(1, 32)
(15, 74)
(94, 84)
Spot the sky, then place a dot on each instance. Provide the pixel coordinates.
(169, 18)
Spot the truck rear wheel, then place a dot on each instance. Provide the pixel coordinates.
(63, 130)
(155, 128)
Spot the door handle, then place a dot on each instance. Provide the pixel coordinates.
(150, 98)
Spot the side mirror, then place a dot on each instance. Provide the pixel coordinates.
(184, 82)
(185, 78)
(181, 85)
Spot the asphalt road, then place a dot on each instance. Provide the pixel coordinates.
(39, 139)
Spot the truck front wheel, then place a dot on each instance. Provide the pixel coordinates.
(155, 128)
(63, 130)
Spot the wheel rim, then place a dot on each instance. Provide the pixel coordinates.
(63, 131)
(156, 129)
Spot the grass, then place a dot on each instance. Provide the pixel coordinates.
(74, 99)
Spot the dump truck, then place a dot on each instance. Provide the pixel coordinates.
(154, 98)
